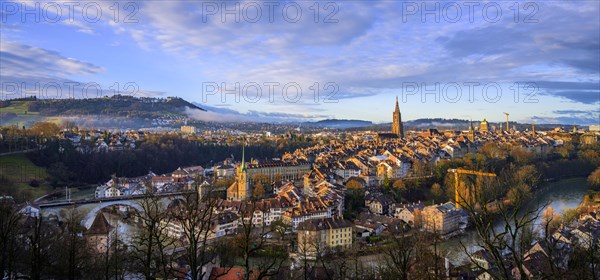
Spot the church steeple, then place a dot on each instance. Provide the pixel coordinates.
(239, 189)
(397, 127)
(471, 134)
(243, 165)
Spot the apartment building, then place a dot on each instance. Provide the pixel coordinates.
(317, 236)
(442, 218)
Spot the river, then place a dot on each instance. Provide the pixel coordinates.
(560, 195)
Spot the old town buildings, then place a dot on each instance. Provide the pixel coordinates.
(318, 236)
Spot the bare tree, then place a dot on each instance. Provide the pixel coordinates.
(307, 250)
(116, 255)
(357, 268)
(428, 261)
(400, 256)
(10, 220)
(68, 262)
(487, 206)
(37, 235)
(315, 257)
(151, 242)
(550, 224)
(195, 216)
(259, 259)
(586, 258)
(280, 227)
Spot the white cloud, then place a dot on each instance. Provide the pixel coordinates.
(80, 26)
(25, 60)
(370, 50)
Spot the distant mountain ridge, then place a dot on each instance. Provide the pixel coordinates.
(129, 111)
(338, 123)
(433, 122)
(419, 124)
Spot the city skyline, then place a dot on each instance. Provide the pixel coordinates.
(357, 54)
(247, 139)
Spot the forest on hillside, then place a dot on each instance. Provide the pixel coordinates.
(116, 106)
(160, 154)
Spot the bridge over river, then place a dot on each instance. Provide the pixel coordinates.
(91, 206)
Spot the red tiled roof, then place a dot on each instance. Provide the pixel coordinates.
(234, 273)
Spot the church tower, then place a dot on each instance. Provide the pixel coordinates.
(397, 127)
(239, 189)
(471, 134)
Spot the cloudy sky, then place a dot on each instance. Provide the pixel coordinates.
(307, 60)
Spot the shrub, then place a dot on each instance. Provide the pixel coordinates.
(34, 183)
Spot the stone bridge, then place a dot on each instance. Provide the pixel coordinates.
(89, 218)
(92, 207)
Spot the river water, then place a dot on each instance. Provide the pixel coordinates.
(560, 195)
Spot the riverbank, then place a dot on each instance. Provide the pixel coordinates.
(560, 195)
(591, 200)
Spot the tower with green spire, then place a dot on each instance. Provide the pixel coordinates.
(239, 189)
(243, 165)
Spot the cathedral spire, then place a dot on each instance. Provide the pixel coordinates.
(471, 134)
(397, 121)
(243, 157)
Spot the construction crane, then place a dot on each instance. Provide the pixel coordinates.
(459, 171)
(507, 129)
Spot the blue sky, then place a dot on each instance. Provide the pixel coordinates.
(539, 61)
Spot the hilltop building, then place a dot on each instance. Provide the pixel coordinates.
(484, 126)
(188, 129)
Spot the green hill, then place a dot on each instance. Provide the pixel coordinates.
(20, 178)
(28, 110)
(118, 105)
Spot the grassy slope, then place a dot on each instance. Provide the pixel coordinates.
(18, 107)
(19, 170)
(99, 106)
